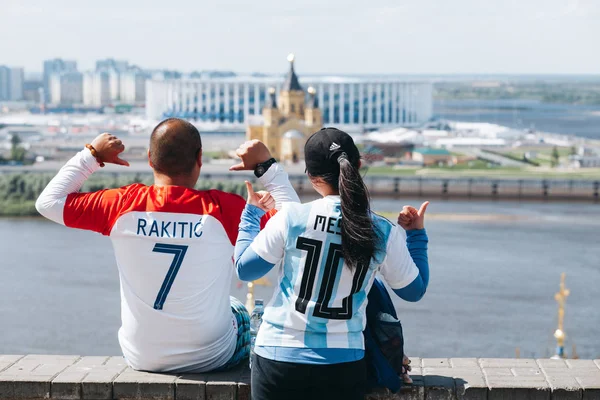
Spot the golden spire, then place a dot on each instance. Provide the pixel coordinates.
(291, 57)
(250, 295)
(559, 334)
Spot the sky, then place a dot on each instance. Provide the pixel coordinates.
(327, 36)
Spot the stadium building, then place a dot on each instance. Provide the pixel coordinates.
(354, 103)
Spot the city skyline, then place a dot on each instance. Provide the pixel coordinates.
(429, 37)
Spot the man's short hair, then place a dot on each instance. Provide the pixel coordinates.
(174, 147)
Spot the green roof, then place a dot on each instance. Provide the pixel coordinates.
(432, 152)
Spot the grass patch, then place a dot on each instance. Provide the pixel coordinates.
(390, 171)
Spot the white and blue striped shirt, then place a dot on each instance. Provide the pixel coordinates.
(318, 301)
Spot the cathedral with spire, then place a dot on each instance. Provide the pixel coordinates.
(286, 125)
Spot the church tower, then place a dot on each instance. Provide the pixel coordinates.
(271, 119)
(285, 125)
(291, 97)
(312, 114)
(271, 114)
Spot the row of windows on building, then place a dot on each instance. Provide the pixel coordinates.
(220, 96)
(354, 88)
(403, 117)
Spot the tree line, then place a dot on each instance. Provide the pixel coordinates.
(19, 191)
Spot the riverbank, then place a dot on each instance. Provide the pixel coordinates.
(18, 192)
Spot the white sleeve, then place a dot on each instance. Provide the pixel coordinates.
(277, 182)
(398, 268)
(69, 179)
(269, 244)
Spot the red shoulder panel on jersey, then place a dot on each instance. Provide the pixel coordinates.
(98, 211)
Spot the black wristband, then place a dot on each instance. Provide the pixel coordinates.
(263, 167)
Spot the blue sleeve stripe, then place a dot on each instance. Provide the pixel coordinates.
(417, 240)
(413, 292)
(248, 264)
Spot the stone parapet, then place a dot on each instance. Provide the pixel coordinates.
(107, 378)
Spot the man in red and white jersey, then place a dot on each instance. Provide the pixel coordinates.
(173, 246)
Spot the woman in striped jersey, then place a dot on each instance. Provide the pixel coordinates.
(327, 253)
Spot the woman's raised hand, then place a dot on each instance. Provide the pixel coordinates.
(260, 199)
(410, 218)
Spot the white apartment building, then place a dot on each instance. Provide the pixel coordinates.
(96, 89)
(11, 83)
(132, 87)
(66, 88)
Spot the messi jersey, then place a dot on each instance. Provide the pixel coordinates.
(173, 248)
(319, 302)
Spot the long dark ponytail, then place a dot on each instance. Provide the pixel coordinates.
(359, 238)
(332, 155)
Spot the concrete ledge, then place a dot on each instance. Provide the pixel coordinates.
(107, 378)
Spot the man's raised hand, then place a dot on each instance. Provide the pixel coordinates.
(252, 153)
(261, 199)
(410, 218)
(108, 147)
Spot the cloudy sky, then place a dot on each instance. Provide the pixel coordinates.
(328, 36)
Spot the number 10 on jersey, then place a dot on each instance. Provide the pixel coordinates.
(333, 257)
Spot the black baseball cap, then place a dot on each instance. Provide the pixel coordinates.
(324, 147)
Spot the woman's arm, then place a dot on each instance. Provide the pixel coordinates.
(277, 182)
(249, 265)
(407, 272)
(416, 241)
(256, 252)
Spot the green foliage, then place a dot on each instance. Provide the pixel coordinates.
(19, 191)
(573, 151)
(17, 153)
(15, 140)
(554, 157)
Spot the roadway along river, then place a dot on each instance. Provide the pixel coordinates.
(494, 270)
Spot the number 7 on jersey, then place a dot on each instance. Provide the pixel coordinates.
(178, 252)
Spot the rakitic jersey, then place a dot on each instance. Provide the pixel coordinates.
(173, 248)
(319, 302)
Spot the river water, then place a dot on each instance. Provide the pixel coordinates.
(567, 119)
(494, 270)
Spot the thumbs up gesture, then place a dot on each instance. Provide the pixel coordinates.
(261, 199)
(410, 218)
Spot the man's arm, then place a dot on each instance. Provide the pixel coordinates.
(69, 179)
(275, 180)
(60, 200)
